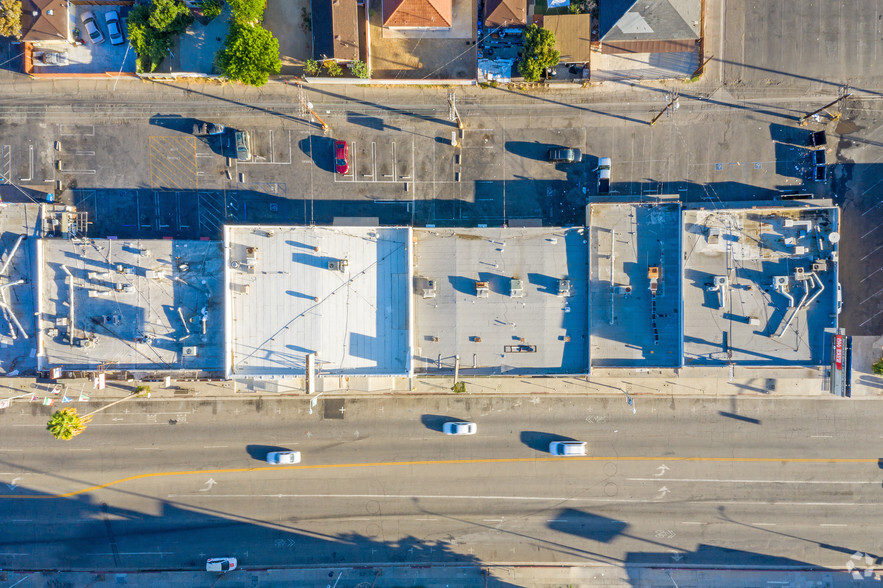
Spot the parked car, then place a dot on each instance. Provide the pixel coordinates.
(220, 564)
(459, 428)
(243, 146)
(603, 175)
(563, 155)
(208, 129)
(839, 298)
(114, 28)
(341, 157)
(283, 457)
(568, 448)
(92, 27)
(52, 58)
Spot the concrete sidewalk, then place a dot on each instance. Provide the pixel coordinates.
(693, 382)
(429, 576)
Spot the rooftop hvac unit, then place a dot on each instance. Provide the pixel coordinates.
(714, 235)
(85, 343)
(52, 332)
(190, 351)
(62, 321)
(251, 256)
(563, 287)
(516, 288)
(127, 270)
(430, 289)
(482, 290)
(338, 265)
(801, 274)
(780, 281)
(820, 265)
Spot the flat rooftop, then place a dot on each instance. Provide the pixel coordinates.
(631, 325)
(526, 321)
(342, 293)
(733, 260)
(135, 305)
(18, 328)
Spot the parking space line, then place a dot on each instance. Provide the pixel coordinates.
(74, 132)
(30, 167)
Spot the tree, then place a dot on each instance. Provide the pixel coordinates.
(311, 67)
(10, 18)
(152, 27)
(248, 11)
(211, 8)
(66, 424)
(360, 69)
(877, 367)
(538, 53)
(250, 54)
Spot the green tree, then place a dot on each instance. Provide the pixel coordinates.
(250, 54)
(248, 11)
(538, 53)
(10, 18)
(65, 424)
(332, 67)
(211, 8)
(360, 69)
(311, 67)
(152, 28)
(877, 367)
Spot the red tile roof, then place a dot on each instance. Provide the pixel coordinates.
(418, 13)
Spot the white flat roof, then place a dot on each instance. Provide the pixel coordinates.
(284, 302)
(137, 304)
(540, 332)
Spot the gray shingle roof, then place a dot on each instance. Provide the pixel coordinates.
(649, 20)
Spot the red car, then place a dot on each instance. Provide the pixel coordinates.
(341, 157)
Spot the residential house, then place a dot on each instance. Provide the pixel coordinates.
(418, 14)
(648, 39)
(335, 30)
(505, 13)
(573, 36)
(45, 20)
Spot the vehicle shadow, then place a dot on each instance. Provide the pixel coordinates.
(434, 422)
(540, 441)
(530, 149)
(320, 149)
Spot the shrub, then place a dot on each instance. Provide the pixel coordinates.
(332, 67)
(360, 69)
(311, 67)
(211, 8)
(877, 367)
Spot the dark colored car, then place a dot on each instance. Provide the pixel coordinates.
(561, 155)
(341, 157)
(114, 28)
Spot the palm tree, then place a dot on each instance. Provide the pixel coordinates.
(65, 424)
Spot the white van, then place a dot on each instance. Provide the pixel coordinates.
(568, 448)
(220, 564)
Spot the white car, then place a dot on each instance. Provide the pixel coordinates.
(839, 298)
(568, 448)
(459, 428)
(220, 564)
(283, 457)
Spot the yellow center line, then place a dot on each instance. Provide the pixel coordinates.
(782, 460)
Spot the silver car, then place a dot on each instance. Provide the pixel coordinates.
(459, 428)
(283, 457)
(114, 29)
(568, 448)
(92, 27)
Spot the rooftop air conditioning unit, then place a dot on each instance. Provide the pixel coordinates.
(338, 265)
(563, 287)
(190, 351)
(482, 290)
(516, 288)
(430, 289)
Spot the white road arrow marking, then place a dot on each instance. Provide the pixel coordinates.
(662, 492)
(208, 485)
(661, 470)
(14, 484)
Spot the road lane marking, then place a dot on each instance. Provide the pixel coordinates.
(875, 482)
(214, 446)
(832, 525)
(780, 460)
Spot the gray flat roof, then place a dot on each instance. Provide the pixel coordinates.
(629, 325)
(137, 305)
(746, 323)
(540, 332)
(286, 302)
(18, 328)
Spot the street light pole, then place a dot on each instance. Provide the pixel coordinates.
(630, 401)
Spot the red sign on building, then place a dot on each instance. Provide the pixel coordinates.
(838, 351)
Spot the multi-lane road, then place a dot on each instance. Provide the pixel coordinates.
(162, 485)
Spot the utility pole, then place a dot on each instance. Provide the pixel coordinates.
(844, 94)
(670, 107)
(308, 107)
(453, 113)
(699, 69)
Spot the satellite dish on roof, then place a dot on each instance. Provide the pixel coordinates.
(834, 237)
